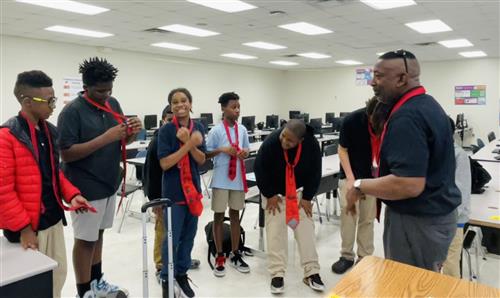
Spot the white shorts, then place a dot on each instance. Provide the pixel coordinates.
(86, 226)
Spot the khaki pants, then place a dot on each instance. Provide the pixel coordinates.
(277, 241)
(51, 244)
(366, 210)
(159, 235)
(452, 264)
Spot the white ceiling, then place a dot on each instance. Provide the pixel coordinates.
(359, 30)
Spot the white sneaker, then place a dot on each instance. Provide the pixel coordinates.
(103, 289)
(88, 294)
(238, 263)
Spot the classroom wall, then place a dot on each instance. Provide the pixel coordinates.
(334, 90)
(144, 80)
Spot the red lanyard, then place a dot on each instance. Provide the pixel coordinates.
(233, 159)
(120, 118)
(53, 168)
(406, 97)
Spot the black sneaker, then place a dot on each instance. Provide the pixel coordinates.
(315, 282)
(183, 283)
(342, 265)
(164, 289)
(238, 263)
(277, 285)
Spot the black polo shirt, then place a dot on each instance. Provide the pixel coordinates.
(354, 136)
(419, 143)
(97, 175)
(51, 213)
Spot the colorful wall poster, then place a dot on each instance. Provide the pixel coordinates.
(470, 95)
(71, 87)
(364, 76)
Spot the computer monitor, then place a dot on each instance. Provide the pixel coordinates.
(343, 114)
(337, 123)
(305, 117)
(150, 121)
(248, 122)
(316, 125)
(329, 117)
(293, 114)
(272, 121)
(208, 116)
(460, 121)
(202, 121)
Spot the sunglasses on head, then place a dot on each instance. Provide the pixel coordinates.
(402, 54)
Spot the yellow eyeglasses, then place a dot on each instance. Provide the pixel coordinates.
(51, 101)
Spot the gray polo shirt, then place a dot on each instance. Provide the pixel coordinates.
(97, 175)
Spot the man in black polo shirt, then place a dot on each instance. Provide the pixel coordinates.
(417, 167)
(355, 156)
(92, 135)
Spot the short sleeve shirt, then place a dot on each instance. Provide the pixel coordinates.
(354, 136)
(97, 175)
(419, 143)
(169, 144)
(217, 138)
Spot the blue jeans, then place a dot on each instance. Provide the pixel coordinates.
(184, 226)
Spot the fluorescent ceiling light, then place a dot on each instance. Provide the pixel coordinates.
(225, 5)
(473, 54)
(313, 55)
(431, 26)
(305, 28)
(174, 46)
(349, 62)
(264, 45)
(68, 5)
(388, 4)
(178, 28)
(284, 63)
(456, 43)
(238, 56)
(78, 31)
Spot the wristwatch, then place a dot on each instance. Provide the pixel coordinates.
(357, 184)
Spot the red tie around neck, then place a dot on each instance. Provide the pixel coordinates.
(406, 97)
(120, 119)
(191, 194)
(233, 159)
(292, 208)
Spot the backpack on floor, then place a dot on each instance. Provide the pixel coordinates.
(226, 241)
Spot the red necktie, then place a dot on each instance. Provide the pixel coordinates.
(292, 208)
(191, 194)
(233, 159)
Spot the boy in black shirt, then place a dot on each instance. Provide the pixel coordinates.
(289, 159)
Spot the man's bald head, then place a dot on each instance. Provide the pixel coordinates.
(395, 73)
(297, 127)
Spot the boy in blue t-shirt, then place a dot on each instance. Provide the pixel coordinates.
(181, 149)
(228, 144)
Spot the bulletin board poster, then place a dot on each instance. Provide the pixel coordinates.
(470, 95)
(71, 87)
(364, 76)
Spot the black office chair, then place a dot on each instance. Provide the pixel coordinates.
(491, 137)
(203, 169)
(130, 189)
(480, 143)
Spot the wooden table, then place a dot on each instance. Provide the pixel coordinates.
(376, 277)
